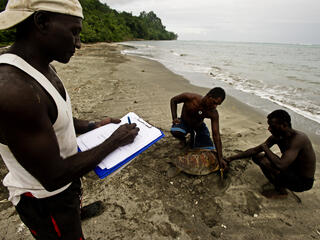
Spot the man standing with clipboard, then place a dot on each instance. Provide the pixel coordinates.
(37, 130)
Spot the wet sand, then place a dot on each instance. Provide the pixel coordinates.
(140, 201)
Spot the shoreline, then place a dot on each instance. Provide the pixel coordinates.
(145, 87)
(297, 119)
(264, 106)
(140, 201)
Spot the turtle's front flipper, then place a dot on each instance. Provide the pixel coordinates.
(173, 171)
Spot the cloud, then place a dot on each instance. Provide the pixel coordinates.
(119, 2)
(271, 20)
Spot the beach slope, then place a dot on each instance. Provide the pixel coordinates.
(140, 201)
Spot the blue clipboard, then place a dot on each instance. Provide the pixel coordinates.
(102, 173)
(118, 159)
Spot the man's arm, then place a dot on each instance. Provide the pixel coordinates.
(245, 154)
(27, 130)
(251, 151)
(216, 137)
(182, 98)
(83, 126)
(288, 156)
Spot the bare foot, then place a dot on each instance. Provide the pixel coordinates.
(274, 194)
(182, 144)
(267, 186)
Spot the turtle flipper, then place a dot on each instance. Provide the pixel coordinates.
(173, 171)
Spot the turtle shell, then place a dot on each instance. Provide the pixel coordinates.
(198, 162)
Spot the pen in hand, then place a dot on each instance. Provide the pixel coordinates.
(129, 121)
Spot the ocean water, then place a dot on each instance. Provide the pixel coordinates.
(264, 76)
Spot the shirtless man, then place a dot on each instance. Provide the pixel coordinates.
(295, 169)
(194, 110)
(37, 132)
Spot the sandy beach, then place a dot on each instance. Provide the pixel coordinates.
(140, 201)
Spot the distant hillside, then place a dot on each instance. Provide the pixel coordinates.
(103, 24)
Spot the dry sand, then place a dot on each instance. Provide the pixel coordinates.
(140, 201)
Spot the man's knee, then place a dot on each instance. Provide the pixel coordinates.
(258, 158)
(178, 134)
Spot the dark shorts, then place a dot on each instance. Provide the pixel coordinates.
(292, 181)
(56, 217)
(202, 138)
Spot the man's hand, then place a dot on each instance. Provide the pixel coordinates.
(264, 147)
(223, 164)
(176, 121)
(107, 120)
(125, 134)
(228, 160)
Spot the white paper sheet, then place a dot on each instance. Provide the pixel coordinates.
(146, 135)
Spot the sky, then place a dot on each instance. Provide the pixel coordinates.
(276, 21)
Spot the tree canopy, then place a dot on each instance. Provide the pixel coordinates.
(103, 24)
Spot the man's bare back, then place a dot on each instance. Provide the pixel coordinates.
(305, 161)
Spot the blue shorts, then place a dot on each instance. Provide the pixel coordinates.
(202, 138)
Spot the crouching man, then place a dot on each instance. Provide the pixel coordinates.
(295, 169)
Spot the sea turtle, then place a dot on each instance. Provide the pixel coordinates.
(197, 162)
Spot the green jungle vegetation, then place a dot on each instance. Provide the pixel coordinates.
(103, 24)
